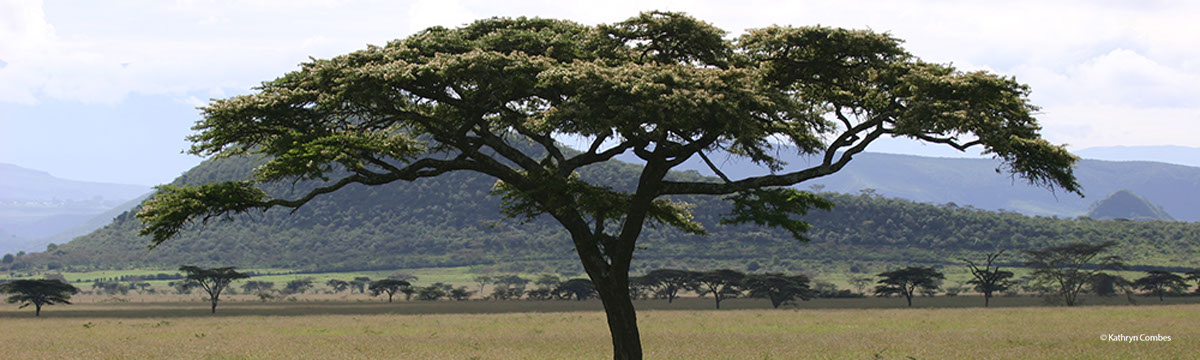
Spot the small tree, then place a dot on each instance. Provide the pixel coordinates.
(907, 281)
(459, 293)
(1069, 268)
(668, 282)
(578, 288)
(860, 283)
(432, 292)
(989, 279)
(337, 285)
(1160, 282)
(38, 293)
(298, 286)
(1194, 275)
(388, 286)
(213, 280)
(482, 280)
(779, 288)
(722, 284)
(254, 286)
(360, 283)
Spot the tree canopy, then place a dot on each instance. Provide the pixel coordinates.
(212, 280)
(495, 96)
(38, 293)
(1069, 268)
(908, 281)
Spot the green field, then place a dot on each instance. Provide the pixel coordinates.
(940, 328)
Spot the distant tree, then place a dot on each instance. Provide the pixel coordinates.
(639, 288)
(540, 294)
(989, 279)
(360, 283)
(431, 293)
(1160, 282)
(389, 287)
(482, 280)
(779, 288)
(721, 284)
(548, 281)
(1067, 269)
(141, 286)
(213, 280)
(38, 293)
(669, 282)
(408, 292)
(907, 281)
(577, 288)
(459, 293)
(400, 275)
(254, 286)
(298, 286)
(337, 285)
(8, 259)
(860, 283)
(183, 287)
(1194, 275)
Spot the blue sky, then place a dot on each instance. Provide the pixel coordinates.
(107, 90)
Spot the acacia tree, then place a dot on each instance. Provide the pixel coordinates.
(1194, 275)
(907, 281)
(337, 285)
(578, 288)
(1068, 268)
(779, 288)
(989, 279)
(669, 282)
(389, 286)
(493, 96)
(213, 280)
(1160, 282)
(721, 284)
(38, 293)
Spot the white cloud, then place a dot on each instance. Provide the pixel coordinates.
(1139, 60)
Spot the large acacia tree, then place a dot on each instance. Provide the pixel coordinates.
(498, 95)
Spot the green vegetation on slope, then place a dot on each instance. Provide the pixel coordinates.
(453, 221)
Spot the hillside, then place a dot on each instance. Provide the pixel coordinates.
(1124, 204)
(976, 182)
(452, 221)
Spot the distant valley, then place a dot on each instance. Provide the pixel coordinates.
(37, 208)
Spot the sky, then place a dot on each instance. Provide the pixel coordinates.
(107, 90)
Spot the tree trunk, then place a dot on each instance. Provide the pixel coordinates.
(214, 305)
(622, 319)
(986, 300)
(909, 298)
(37, 309)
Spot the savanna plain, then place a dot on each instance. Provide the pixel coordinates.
(349, 328)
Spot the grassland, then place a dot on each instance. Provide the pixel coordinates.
(939, 328)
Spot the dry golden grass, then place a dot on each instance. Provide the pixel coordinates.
(568, 329)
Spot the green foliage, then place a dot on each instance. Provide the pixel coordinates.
(212, 280)
(779, 288)
(1067, 269)
(388, 286)
(38, 293)
(908, 281)
(1160, 283)
(775, 207)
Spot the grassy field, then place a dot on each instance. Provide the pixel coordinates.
(939, 328)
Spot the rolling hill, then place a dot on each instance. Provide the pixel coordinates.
(452, 221)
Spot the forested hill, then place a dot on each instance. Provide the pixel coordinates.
(452, 220)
